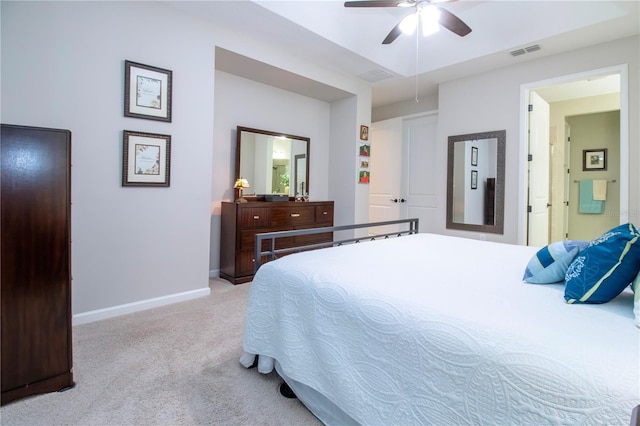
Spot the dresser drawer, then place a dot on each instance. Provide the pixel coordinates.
(304, 240)
(254, 217)
(240, 222)
(248, 238)
(324, 215)
(296, 214)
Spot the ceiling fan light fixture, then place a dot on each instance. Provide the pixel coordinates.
(408, 24)
(430, 16)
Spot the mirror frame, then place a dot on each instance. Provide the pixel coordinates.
(498, 226)
(241, 129)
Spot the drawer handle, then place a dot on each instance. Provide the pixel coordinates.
(256, 217)
(295, 214)
(325, 212)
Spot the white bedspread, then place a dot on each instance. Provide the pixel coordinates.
(430, 329)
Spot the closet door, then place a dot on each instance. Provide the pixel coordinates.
(36, 264)
(385, 189)
(420, 170)
(404, 170)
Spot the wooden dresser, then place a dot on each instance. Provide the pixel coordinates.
(242, 221)
(36, 261)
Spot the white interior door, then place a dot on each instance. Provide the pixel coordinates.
(567, 182)
(538, 218)
(419, 177)
(385, 164)
(403, 171)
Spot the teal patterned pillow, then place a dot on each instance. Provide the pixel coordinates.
(605, 268)
(550, 263)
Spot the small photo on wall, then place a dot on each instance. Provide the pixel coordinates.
(365, 150)
(364, 133)
(364, 176)
(364, 164)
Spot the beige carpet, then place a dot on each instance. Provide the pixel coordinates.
(174, 365)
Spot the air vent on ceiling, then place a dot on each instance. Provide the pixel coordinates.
(528, 49)
(376, 75)
(533, 48)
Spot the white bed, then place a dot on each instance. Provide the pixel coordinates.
(431, 329)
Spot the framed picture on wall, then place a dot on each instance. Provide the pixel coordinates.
(364, 133)
(594, 159)
(474, 179)
(147, 92)
(146, 159)
(474, 155)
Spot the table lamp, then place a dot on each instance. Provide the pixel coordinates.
(240, 185)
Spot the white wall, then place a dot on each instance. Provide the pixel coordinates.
(242, 102)
(63, 67)
(134, 248)
(406, 108)
(491, 101)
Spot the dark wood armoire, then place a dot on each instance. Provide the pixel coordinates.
(35, 205)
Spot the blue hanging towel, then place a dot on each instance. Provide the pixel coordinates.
(587, 203)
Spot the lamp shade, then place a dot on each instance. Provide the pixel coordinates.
(241, 183)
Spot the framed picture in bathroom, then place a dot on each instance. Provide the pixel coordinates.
(594, 159)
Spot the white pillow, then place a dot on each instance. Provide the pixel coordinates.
(635, 285)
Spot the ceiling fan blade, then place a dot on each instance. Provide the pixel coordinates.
(453, 23)
(395, 32)
(372, 3)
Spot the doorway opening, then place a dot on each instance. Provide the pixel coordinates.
(548, 195)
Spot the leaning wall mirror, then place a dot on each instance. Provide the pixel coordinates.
(475, 182)
(272, 162)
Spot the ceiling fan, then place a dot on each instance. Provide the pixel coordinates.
(430, 15)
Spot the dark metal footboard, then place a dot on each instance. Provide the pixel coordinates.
(262, 256)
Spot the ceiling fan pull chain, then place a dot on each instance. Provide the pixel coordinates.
(417, 54)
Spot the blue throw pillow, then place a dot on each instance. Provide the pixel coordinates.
(601, 271)
(550, 263)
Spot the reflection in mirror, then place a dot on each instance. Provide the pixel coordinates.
(300, 183)
(475, 182)
(273, 163)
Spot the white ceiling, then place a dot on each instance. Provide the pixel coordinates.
(348, 40)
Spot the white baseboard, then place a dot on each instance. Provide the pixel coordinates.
(215, 273)
(128, 308)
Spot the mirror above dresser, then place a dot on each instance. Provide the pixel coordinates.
(272, 162)
(275, 167)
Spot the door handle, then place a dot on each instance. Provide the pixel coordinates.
(395, 200)
(548, 204)
(402, 200)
